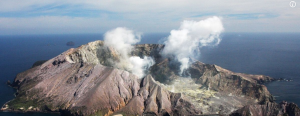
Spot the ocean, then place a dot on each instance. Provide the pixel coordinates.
(273, 54)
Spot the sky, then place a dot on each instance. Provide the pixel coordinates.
(145, 16)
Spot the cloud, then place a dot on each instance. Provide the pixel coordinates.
(183, 42)
(252, 16)
(146, 16)
(57, 25)
(153, 6)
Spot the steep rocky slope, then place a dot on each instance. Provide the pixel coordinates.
(76, 83)
(85, 81)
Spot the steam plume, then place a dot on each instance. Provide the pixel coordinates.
(191, 35)
(139, 65)
(121, 39)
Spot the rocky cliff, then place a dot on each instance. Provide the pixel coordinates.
(269, 109)
(85, 81)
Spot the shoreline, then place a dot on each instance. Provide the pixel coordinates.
(20, 111)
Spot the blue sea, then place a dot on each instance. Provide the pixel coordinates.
(273, 54)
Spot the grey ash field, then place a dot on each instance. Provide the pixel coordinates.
(83, 81)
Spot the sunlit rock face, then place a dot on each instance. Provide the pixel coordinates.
(87, 81)
(92, 53)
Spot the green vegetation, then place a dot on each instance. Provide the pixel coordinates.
(19, 102)
(100, 112)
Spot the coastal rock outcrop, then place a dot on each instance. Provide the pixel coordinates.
(269, 109)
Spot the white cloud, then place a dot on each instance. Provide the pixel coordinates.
(57, 24)
(145, 16)
(242, 6)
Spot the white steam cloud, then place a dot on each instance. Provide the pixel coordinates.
(191, 35)
(139, 65)
(121, 39)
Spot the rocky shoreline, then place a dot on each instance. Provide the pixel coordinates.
(83, 81)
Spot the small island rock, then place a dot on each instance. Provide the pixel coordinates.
(70, 43)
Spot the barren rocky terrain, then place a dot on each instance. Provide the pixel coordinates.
(85, 81)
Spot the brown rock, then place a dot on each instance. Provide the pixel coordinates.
(269, 109)
(222, 80)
